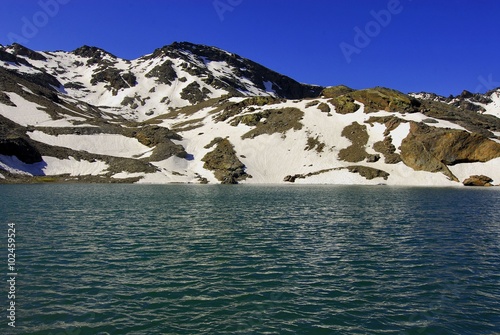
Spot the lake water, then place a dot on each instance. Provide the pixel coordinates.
(191, 259)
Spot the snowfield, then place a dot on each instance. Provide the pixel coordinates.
(102, 144)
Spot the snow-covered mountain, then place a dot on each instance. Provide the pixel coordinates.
(192, 113)
(174, 76)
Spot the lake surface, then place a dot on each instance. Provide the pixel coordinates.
(191, 259)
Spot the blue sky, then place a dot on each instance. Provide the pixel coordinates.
(409, 45)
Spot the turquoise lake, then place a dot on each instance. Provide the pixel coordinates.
(216, 259)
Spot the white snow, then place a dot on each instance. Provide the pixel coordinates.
(27, 113)
(73, 167)
(493, 108)
(399, 134)
(103, 144)
(52, 166)
(124, 175)
(490, 169)
(269, 87)
(13, 165)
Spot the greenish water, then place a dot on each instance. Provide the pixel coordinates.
(186, 259)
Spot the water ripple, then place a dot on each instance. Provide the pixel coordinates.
(128, 259)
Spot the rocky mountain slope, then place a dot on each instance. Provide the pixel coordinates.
(196, 114)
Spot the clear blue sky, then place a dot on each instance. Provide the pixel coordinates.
(411, 45)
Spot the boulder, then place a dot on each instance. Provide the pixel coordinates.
(433, 149)
(368, 172)
(480, 180)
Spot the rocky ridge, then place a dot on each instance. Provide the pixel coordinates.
(192, 113)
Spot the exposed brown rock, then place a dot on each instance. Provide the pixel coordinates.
(368, 172)
(324, 108)
(344, 104)
(432, 149)
(336, 91)
(388, 149)
(358, 135)
(225, 163)
(480, 180)
(276, 121)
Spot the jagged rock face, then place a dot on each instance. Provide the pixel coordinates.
(165, 72)
(464, 116)
(432, 149)
(5, 99)
(243, 68)
(95, 55)
(114, 78)
(23, 51)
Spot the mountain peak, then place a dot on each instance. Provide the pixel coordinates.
(20, 50)
(92, 52)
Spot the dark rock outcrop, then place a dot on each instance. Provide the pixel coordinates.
(21, 148)
(95, 55)
(282, 85)
(164, 72)
(464, 114)
(194, 93)
(114, 78)
(20, 50)
(225, 164)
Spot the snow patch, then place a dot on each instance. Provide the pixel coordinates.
(493, 108)
(269, 87)
(102, 144)
(50, 166)
(27, 113)
(13, 165)
(125, 175)
(73, 167)
(399, 134)
(490, 169)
